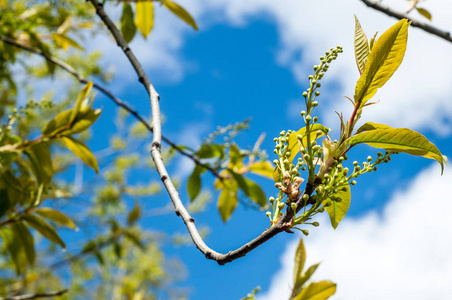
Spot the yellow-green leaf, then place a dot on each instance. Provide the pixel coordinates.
(337, 210)
(15, 249)
(317, 291)
(65, 42)
(361, 47)
(145, 17)
(56, 124)
(424, 13)
(317, 130)
(128, 28)
(300, 258)
(372, 126)
(384, 59)
(263, 168)
(399, 140)
(194, 182)
(56, 216)
(41, 163)
(24, 237)
(81, 151)
(181, 13)
(134, 214)
(83, 121)
(43, 228)
(78, 103)
(251, 189)
(227, 200)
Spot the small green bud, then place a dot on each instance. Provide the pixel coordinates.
(310, 77)
(315, 103)
(303, 113)
(353, 182)
(315, 224)
(317, 93)
(375, 169)
(321, 209)
(305, 94)
(282, 133)
(305, 197)
(355, 163)
(318, 84)
(272, 200)
(305, 232)
(314, 81)
(286, 161)
(303, 168)
(369, 158)
(315, 67)
(294, 172)
(293, 206)
(281, 205)
(268, 214)
(308, 118)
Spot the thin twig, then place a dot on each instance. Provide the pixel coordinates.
(399, 15)
(68, 68)
(35, 296)
(283, 224)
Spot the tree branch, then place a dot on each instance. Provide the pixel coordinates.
(399, 15)
(35, 296)
(68, 68)
(283, 224)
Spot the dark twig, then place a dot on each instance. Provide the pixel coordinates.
(35, 296)
(399, 15)
(68, 68)
(283, 224)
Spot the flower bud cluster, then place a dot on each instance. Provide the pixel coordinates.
(368, 166)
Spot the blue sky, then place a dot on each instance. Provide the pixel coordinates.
(252, 59)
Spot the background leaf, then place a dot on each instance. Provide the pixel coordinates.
(194, 182)
(41, 163)
(56, 216)
(424, 13)
(317, 291)
(227, 200)
(128, 28)
(81, 151)
(43, 228)
(361, 47)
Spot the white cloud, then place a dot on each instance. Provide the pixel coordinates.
(402, 254)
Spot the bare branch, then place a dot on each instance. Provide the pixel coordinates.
(35, 296)
(283, 224)
(68, 68)
(399, 15)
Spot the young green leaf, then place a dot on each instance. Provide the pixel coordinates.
(307, 275)
(210, 151)
(24, 237)
(424, 13)
(58, 123)
(250, 188)
(83, 121)
(181, 13)
(194, 182)
(398, 140)
(384, 59)
(43, 228)
(300, 258)
(337, 210)
(56, 216)
(78, 103)
(4, 202)
(361, 47)
(227, 200)
(372, 126)
(145, 17)
(235, 158)
(81, 151)
(128, 28)
(317, 291)
(41, 163)
(317, 130)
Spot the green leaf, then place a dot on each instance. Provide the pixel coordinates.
(128, 28)
(81, 151)
(181, 13)
(337, 210)
(41, 163)
(307, 275)
(263, 168)
(15, 249)
(145, 17)
(194, 182)
(317, 130)
(250, 188)
(317, 291)
(235, 158)
(424, 13)
(384, 59)
(43, 228)
(56, 124)
(227, 200)
(300, 258)
(56, 216)
(134, 214)
(361, 47)
(65, 42)
(83, 121)
(398, 140)
(372, 126)
(134, 238)
(210, 151)
(78, 103)
(24, 237)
